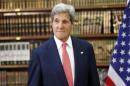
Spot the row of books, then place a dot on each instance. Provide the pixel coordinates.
(14, 56)
(92, 22)
(14, 53)
(13, 78)
(97, 22)
(86, 22)
(84, 3)
(103, 50)
(27, 4)
(17, 53)
(19, 25)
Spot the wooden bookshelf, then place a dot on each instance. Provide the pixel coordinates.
(18, 13)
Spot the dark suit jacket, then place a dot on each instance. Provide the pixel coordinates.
(46, 69)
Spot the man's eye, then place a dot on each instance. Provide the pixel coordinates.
(65, 22)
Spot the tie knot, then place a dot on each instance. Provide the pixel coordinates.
(64, 44)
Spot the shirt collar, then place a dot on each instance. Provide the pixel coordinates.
(59, 42)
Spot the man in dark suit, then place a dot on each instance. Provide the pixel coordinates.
(63, 60)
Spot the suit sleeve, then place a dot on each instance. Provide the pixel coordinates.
(93, 74)
(34, 71)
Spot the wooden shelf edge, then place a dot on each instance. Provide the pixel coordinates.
(102, 7)
(97, 36)
(18, 38)
(25, 10)
(102, 66)
(13, 66)
(94, 36)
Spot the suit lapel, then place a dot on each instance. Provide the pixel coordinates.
(56, 62)
(77, 59)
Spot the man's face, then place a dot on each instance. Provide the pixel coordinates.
(61, 26)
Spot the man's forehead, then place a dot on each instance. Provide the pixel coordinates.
(62, 15)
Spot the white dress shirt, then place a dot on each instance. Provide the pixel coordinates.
(70, 51)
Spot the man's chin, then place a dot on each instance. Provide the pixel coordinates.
(62, 38)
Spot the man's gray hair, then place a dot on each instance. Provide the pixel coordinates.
(63, 8)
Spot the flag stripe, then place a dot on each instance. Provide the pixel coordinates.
(109, 82)
(128, 1)
(115, 77)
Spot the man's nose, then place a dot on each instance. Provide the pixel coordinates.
(60, 25)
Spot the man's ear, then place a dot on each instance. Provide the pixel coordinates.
(51, 28)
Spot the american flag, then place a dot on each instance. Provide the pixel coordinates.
(119, 69)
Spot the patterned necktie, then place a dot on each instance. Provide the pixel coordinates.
(67, 65)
